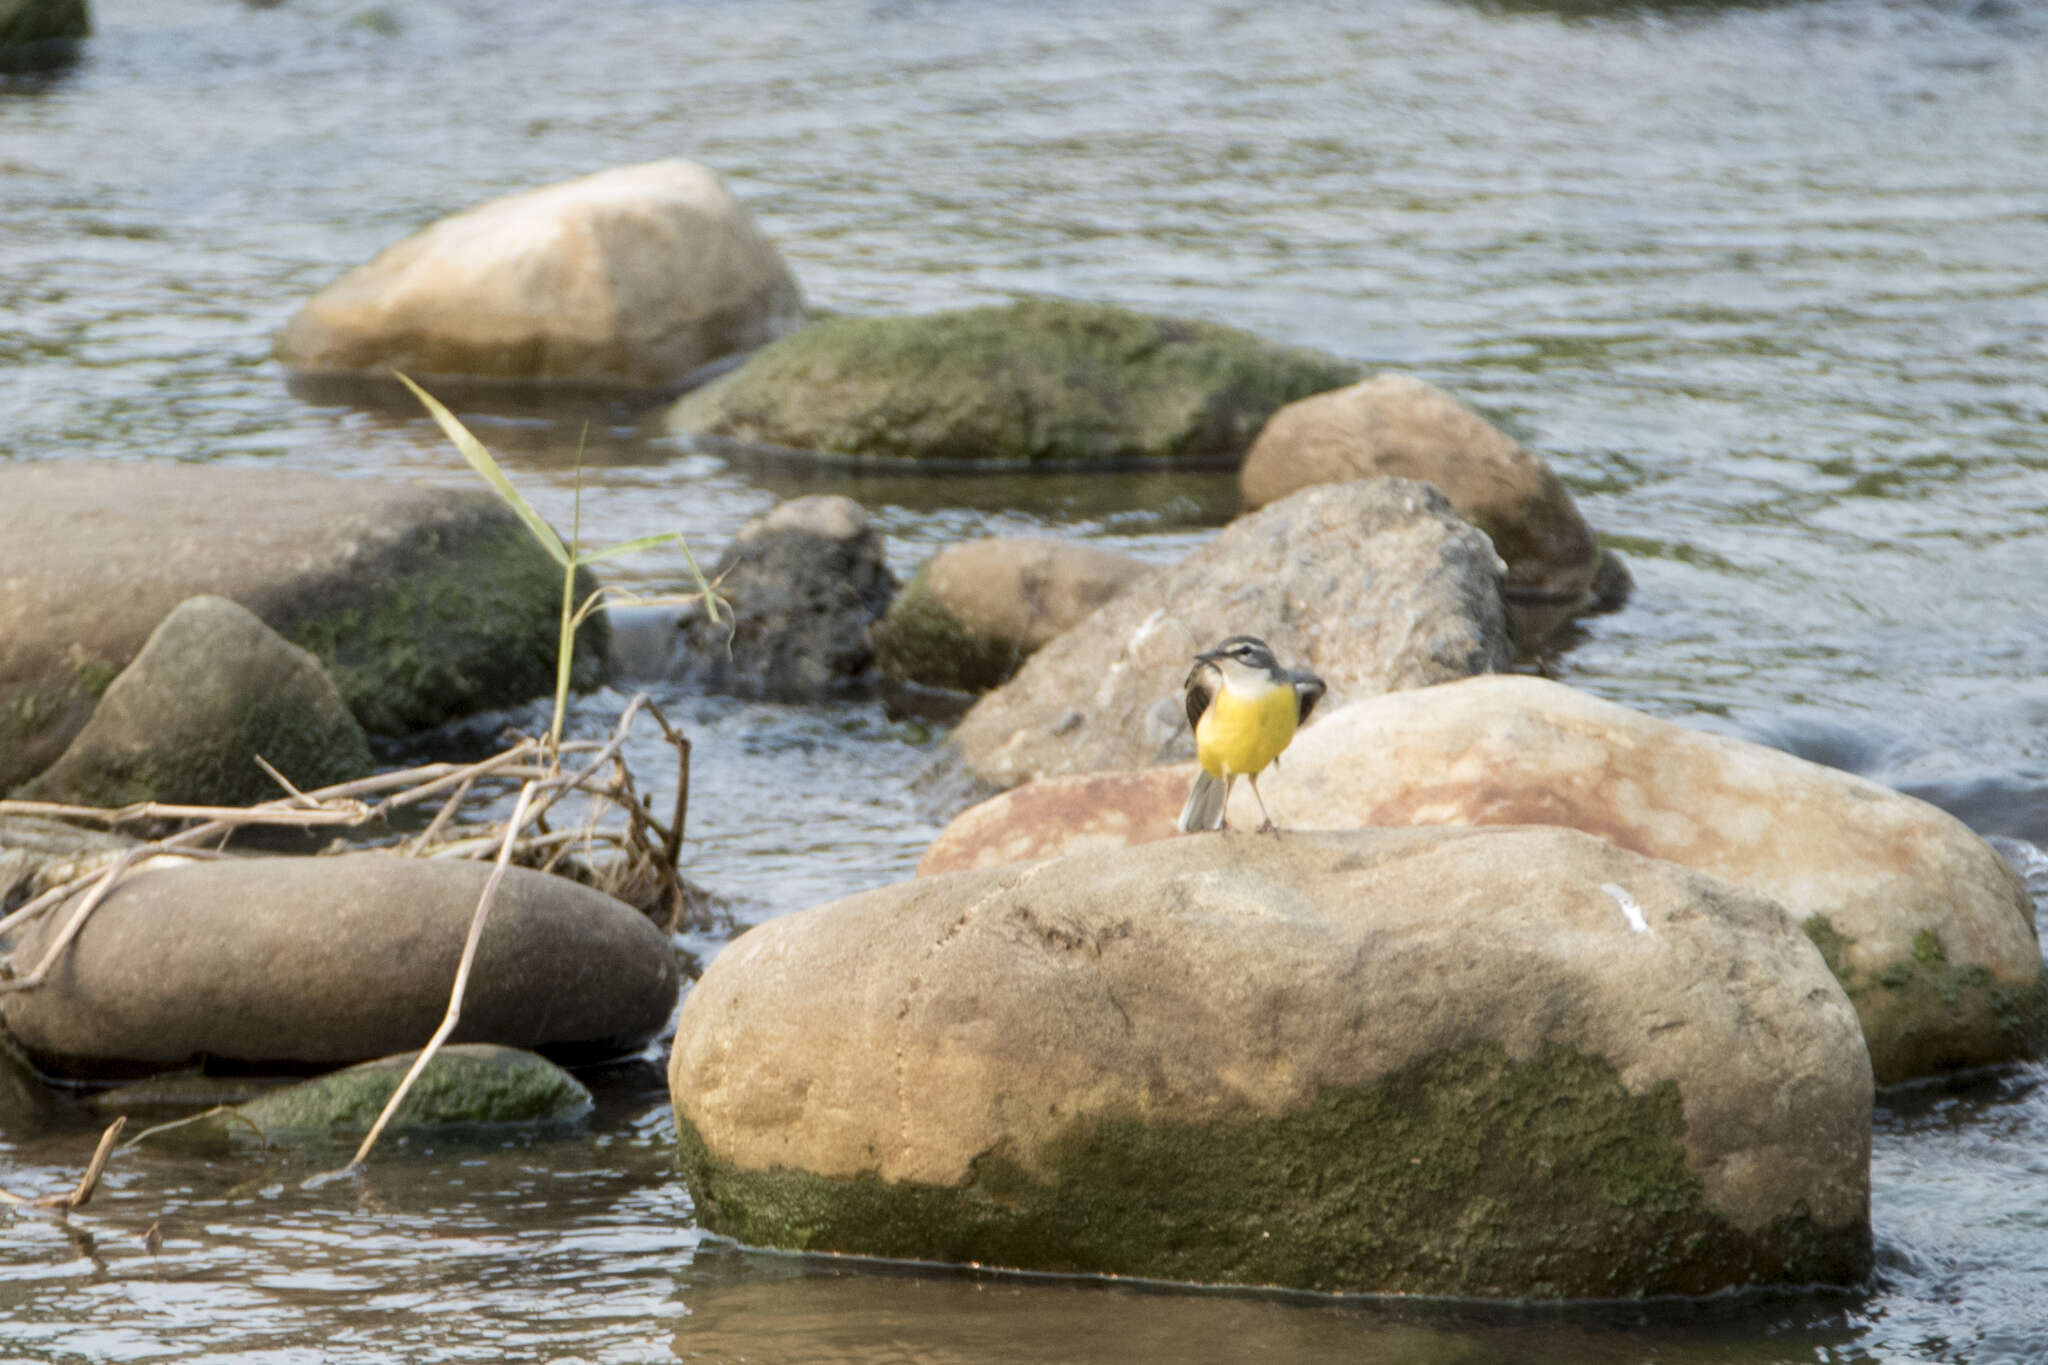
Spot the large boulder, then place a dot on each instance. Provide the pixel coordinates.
(332, 960)
(37, 35)
(1396, 424)
(1375, 585)
(1038, 382)
(213, 690)
(1521, 1063)
(975, 611)
(1927, 928)
(633, 277)
(424, 604)
(805, 581)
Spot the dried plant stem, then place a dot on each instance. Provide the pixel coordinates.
(76, 1197)
(520, 812)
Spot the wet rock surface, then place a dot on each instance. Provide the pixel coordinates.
(1501, 1062)
(806, 581)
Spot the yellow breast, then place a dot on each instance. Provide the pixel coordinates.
(1239, 734)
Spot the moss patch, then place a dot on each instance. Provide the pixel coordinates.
(1043, 381)
(919, 641)
(469, 1084)
(467, 626)
(1923, 1015)
(1466, 1174)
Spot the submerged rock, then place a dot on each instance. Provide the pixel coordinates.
(212, 690)
(466, 1084)
(1039, 382)
(805, 582)
(1504, 1062)
(1375, 585)
(977, 610)
(1396, 424)
(329, 960)
(424, 604)
(635, 277)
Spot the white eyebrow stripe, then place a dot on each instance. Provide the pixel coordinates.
(1630, 911)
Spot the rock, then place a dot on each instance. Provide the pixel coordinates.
(212, 690)
(805, 582)
(1042, 381)
(1928, 929)
(975, 611)
(1396, 424)
(1073, 813)
(37, 854)
(26, 1105)
(631, 277)
(424, 604)
(1503, 1062)
(333, 960)
(41, 35)
(474, 1083)
(1375, 585)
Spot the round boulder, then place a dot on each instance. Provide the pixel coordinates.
(423, 604)
(632, 277)
(1502, 1062)
(1043, 381)
(1396, 424)
(212, 690)
(805, 582)
(331, 960)
(977, 610)
(1375, 585)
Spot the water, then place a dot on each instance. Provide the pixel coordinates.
(1765, 283)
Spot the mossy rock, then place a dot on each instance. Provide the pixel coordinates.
(1441, 1061)
(1042, 382)
(466, 1086)
(424, 604)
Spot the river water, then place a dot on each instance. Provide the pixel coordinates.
(1769, 285)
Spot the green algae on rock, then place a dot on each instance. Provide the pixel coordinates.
(1425, 1061)
(1038, 382)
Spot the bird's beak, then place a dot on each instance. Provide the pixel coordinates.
(1207, 656)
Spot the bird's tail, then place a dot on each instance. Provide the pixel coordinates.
(1204, 809)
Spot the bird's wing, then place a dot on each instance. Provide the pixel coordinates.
(1197, 692)
(1308, 690)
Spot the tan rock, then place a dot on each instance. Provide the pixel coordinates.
(1374, 585)
(635, 276)
(1396, 424)
(976, 610)
(1518, 1062)
(1925, 925)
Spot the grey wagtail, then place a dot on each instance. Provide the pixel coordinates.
(1244, 708)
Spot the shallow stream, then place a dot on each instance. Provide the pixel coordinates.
(1768, 285)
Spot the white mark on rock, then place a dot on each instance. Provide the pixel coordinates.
(1630, 911)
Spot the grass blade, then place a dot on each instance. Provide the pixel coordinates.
(480, 460)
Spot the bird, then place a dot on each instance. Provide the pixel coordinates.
(1244, 709)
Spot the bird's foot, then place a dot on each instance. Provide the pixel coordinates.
(1269, 828)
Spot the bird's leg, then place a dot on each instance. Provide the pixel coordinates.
(1229, 780)
(1266, 825)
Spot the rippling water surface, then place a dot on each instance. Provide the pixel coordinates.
(1765, 283)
